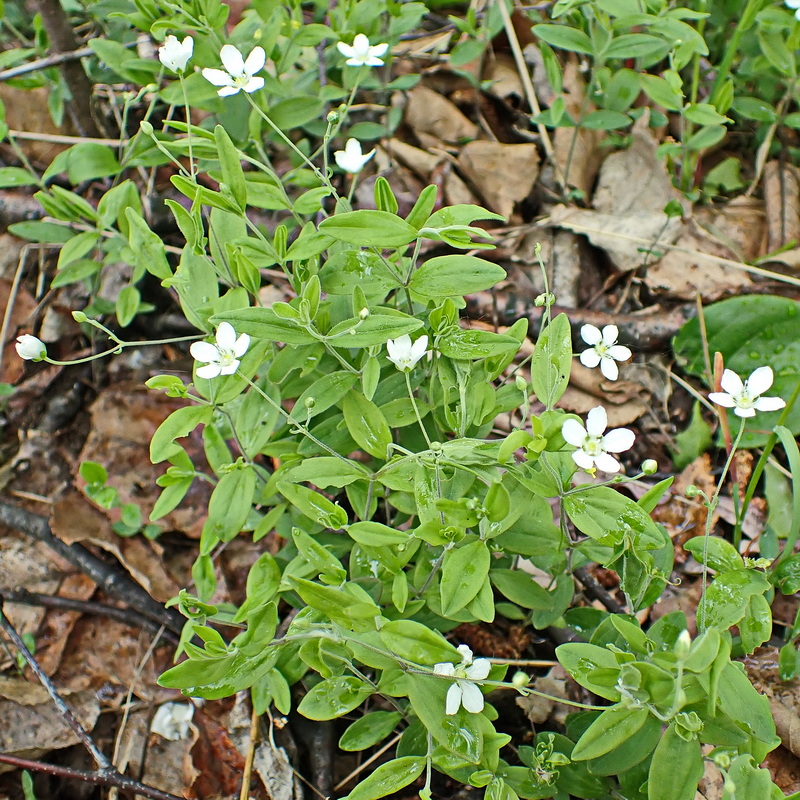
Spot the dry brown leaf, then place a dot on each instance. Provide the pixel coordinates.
(781, 204)
(502, 75)
(624, 401)
(423, 45)
(218, 762)
(503, 173)
(124, 418)
(428, 112)
(21, 314)
(31, 725)
(421, 161)
(74, 519)
(739, 224)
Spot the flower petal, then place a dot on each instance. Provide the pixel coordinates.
(731, 383)
(345, 49)
(583, 460)
(619, 352)
(610, 335)
(253, 85)
(217, 77)
(722, 399)
(204, 351)
(609, 368)
(453, 701)
(229, 91)
(759, 381)
(619, 440)
(479, 669)
(466, 653)
(769, 403)
(447, 669)
(591, 335)
(226, 336)
(744, 412)
(242, 343)
(471, 697)
(380, 49)
(590, 358)
(209, 371)
(255, 61)
(574, 433)
(229, 368)
(232, 60)
(607, 463)
(596, 421)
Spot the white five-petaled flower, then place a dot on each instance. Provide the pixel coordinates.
(604, 350)
(594, 445)
(744, 398)
(30, 348)
(464, 692)
(175, 54)
(240, 71)
(223, 357)
(351, 159)
(795, 6)
(403, 354)
(361, 53)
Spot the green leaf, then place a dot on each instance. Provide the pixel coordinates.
(463, 573)
(366, 424)
(374, 330)
(608, 731)
(389, 778)
(455, 275)
(636, 45)
(661, 91)
(727, 598)
(472, 344)
(325, 392)
(369, 228)
(326, 471)
(693, 441)
(552, 361)
(127, 305)
(232, 172)
(676, 768)
(369, 730)
(178, 424)
(84, 162)
(11, 177)
(376, 534)
(521, 588)
(314, 505)
(334, 698)
(716, 553)
(586, 663)
(418, 643)
(756, 626)
(564, 38)
(147, 247)
(264, 323)
(229, 507)
(342, 272)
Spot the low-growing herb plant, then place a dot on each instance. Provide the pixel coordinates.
(358, 423)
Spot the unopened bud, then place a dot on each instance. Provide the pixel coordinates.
(650, 466)
(683, 645)
(146, 128)
(520, 680)
(692, 491)
(309, 403)
(364, 313)
(79, 316)
(521, 383)
(544, 299)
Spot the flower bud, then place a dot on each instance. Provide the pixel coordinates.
(146, 128)
(520, 680)
(364, 313)
(30, 348)
(650, 466)
(683, 645)
(79, 316)
(309, 403)
(692, 491)
(521, 383)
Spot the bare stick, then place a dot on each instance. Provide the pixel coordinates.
(43, 63)
(111, 778)
(63, 709)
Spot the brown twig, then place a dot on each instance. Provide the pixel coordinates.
(124, 615)
(594, 590)
(54, 60)
(110, 580)
(62, 40)
(112, 778)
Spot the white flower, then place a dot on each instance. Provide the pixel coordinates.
(464, 692)
(604, 350)
(175, 54)
(30, 348)
(403, 354)
(795, 6)
(351, 159)
(744, 398)
(172, 720)
(593, 445)
(223, 357)
(240, 72)
(361, 53)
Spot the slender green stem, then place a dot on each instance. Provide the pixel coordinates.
(292, 422)
(118, 347)
(188, 123)
(416, 410)
(711, 506)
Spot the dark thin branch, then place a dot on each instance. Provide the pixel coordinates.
(594, 590)
(44, 63)
(62, 40)
(63, 709)
(124, 615)
(109, 579)
(101, 778)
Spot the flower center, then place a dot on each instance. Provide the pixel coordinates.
(593, 446)
(601, 348)
(226, 357)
